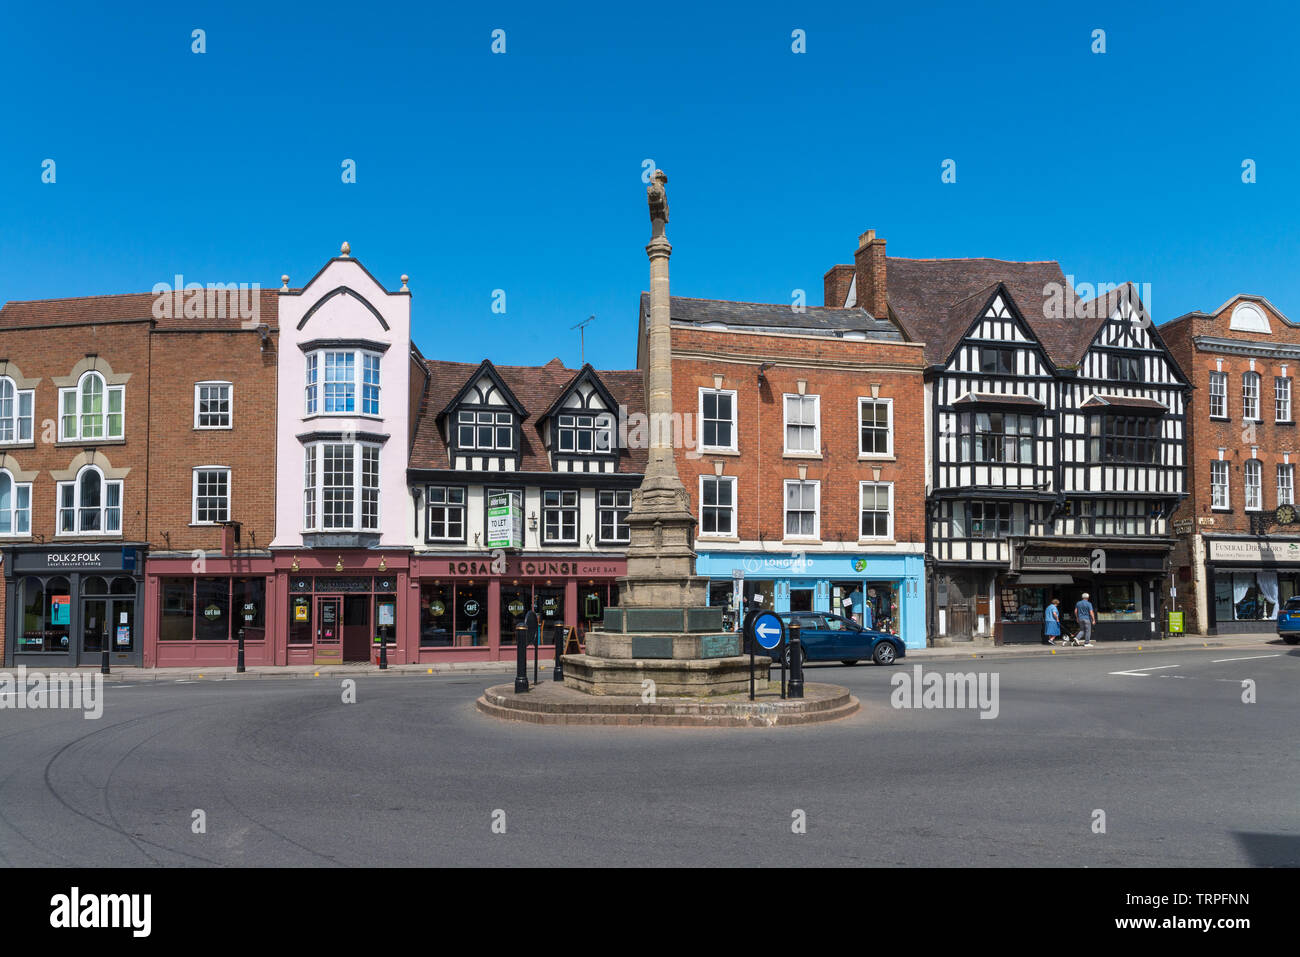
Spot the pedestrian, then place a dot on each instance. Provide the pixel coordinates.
(1052, 621)
(1086, 616)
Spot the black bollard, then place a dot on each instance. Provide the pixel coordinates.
(558, 674)
(239, 659)
(103, 662)
(796, 665)
(383, 648)
(793, 629)
(537, 650)
(521, 659)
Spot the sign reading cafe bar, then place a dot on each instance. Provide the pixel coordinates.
(505, 521)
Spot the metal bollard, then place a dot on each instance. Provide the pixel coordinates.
(558, 674)
(795, 689)
(103, 662)
(383, 648)
(521, 659)
(239, 658)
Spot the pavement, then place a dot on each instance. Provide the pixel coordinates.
(546, 663)
(1171, 757)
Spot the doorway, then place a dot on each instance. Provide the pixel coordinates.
(356, 628)
(801, 599)
(107, 623)
(329, 636)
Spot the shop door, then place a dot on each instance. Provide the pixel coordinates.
(552, 614)
(356, 628)
(329, 630)
(94, 629)
(801, 599)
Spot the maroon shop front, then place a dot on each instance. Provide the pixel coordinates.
(196, 609)
(337, 606)
(468, 608)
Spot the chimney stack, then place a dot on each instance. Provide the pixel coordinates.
(835, 286)
(869, 271)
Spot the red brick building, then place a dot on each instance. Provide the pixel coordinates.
(133, 429)
(1238, 554)
(802, 447)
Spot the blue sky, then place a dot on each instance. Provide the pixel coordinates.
(522, 171)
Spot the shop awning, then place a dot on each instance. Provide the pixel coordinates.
(1045, 580)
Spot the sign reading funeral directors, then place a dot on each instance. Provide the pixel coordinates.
(505, 520)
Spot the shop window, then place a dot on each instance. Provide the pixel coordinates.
(515, 602)
(47, 615)
(1024, 604)
(471, 615)
(15, 412)
(1248, 596)
(212, 609)
(300, 632)
(761, 590)
(176, 622)
(436, 602)
(847, 599)
(1119, 601)
(248, 604)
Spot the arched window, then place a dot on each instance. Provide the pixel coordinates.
(15, 412)
(90, 504)
(91, 410)
(94, 585)
(123, 585)
(15, 505)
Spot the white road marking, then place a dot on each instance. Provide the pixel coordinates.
(1138, 672)
(1219, 661)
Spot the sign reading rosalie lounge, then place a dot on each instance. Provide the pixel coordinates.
(529, 568)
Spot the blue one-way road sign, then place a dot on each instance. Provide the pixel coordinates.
(768, 630)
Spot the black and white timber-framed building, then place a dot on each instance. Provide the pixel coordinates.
(1056, 443)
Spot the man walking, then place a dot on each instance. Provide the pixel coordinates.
(1086, 616)
(1052, 621)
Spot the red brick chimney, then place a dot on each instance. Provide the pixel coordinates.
(836, 284)
(869, 271)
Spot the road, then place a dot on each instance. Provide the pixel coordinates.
(285, 773)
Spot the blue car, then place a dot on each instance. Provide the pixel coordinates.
(827, 637)
(1288, 621)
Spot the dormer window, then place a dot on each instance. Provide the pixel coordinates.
(342, 382)
(485, 431)
(585, 434)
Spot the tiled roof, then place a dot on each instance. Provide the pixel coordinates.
(936, 300)
(814, 320)
(140, 305)
(1123, 402)
(536, 387)
(997, 398)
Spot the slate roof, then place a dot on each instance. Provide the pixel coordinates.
(815, 320)
(133, 306)
(537, 388)
(1123, 402)
(997, 398)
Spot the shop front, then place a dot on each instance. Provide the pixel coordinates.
(66, 605)
(338, 607)
(890, 583)
(1125, 583)
(196, 610)
(469, 608)
(1247, 580)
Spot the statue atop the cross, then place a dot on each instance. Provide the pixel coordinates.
(657, 197)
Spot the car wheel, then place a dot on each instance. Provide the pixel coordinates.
(848, 661)
(885, 653)
(1291, 639)
(803, 658)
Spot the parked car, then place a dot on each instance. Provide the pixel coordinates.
(1288, 621)
(826, 637)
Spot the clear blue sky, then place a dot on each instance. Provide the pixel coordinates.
(523, 171)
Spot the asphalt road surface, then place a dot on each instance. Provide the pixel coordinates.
(285, 773)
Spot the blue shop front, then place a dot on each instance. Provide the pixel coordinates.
(891, 583)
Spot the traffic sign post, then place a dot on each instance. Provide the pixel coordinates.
(763, 628)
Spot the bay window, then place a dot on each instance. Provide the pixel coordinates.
(336, 377)
(341, 487)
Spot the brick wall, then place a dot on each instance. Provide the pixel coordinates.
(180, 360)
(840, 372)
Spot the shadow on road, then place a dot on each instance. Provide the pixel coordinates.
(1270, 850)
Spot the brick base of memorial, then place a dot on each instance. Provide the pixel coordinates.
(552, 703)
